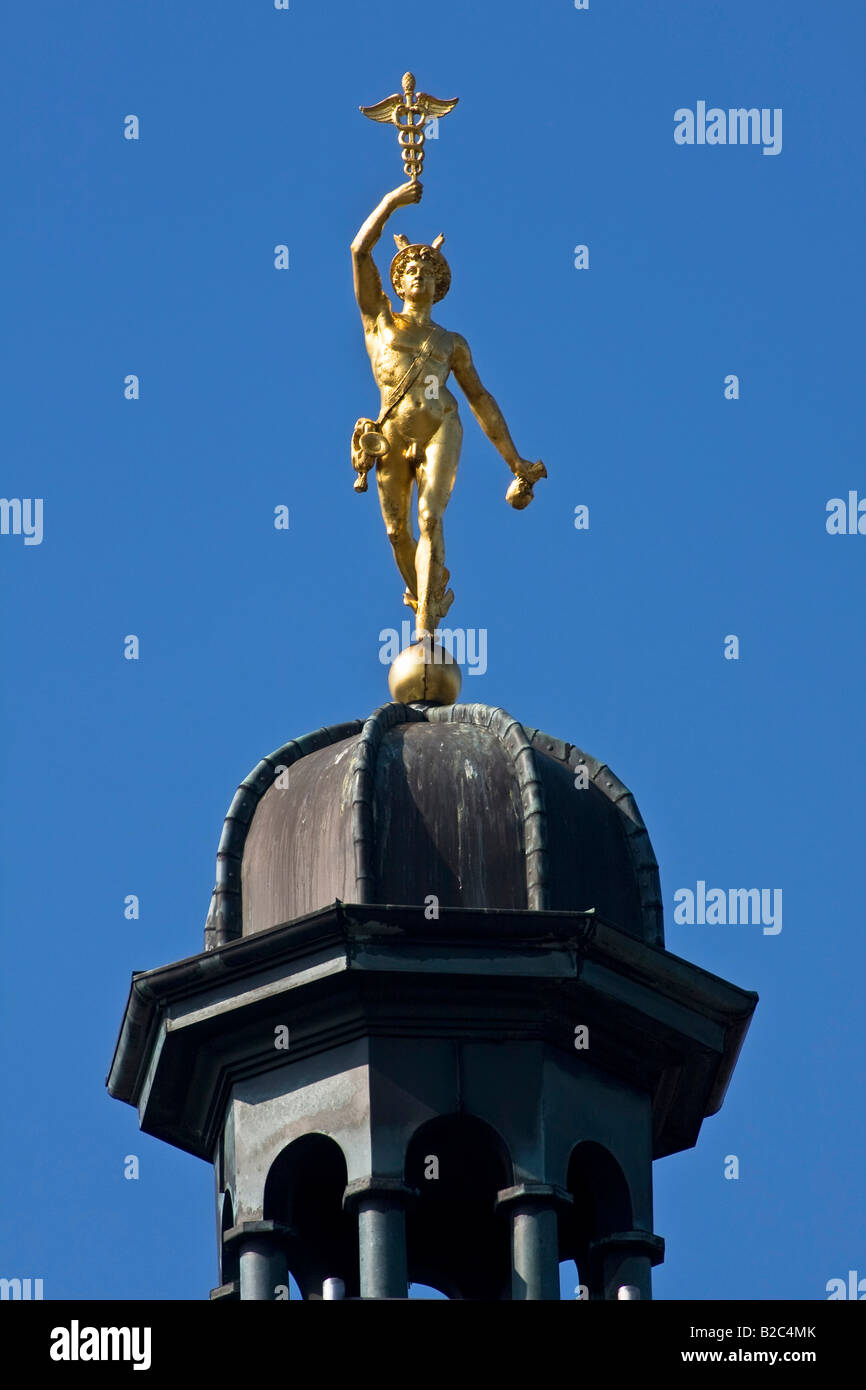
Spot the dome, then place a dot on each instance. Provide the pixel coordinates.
(460, 803)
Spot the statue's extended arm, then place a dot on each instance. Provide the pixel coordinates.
(368, 285)
(489, 416)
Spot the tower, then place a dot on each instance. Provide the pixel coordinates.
(434, 1034)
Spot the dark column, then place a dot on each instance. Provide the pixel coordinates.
(381, 1204)
(533, 1211)
(625, 1260)
(260, 1248)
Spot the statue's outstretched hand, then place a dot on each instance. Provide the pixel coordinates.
(526, 475)
(531, 472)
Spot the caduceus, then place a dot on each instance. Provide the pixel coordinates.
(409, 111)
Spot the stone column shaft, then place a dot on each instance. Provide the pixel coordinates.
(380, 1204)
(262, 1268)
(533, 1212)
(262, 1260)
(627, 1258)
(382, 1248)
(534, 1241)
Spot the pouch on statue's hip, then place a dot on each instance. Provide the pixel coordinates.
(368, 445)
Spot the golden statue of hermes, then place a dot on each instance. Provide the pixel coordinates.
(416, 439)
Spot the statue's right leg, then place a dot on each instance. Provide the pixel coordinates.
(436, 476)
(395, 478)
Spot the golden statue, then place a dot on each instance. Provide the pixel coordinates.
(416, 439)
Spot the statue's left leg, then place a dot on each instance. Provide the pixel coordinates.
(394, 477)
(435, 476)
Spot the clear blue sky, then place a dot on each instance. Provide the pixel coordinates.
(707, 518)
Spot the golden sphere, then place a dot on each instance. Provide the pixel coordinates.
(427, 672)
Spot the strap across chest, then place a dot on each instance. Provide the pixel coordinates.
(411, 374)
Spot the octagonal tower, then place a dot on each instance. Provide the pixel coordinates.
(434, 1034)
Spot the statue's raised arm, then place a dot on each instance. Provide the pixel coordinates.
(368, 284)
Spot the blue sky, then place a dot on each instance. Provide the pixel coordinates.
(707, 518)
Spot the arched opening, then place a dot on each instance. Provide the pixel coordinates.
(304, 1191)
(457, 1243)
(228, 1259)
(602, 1206)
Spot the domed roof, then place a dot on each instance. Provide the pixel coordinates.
(460, 802)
